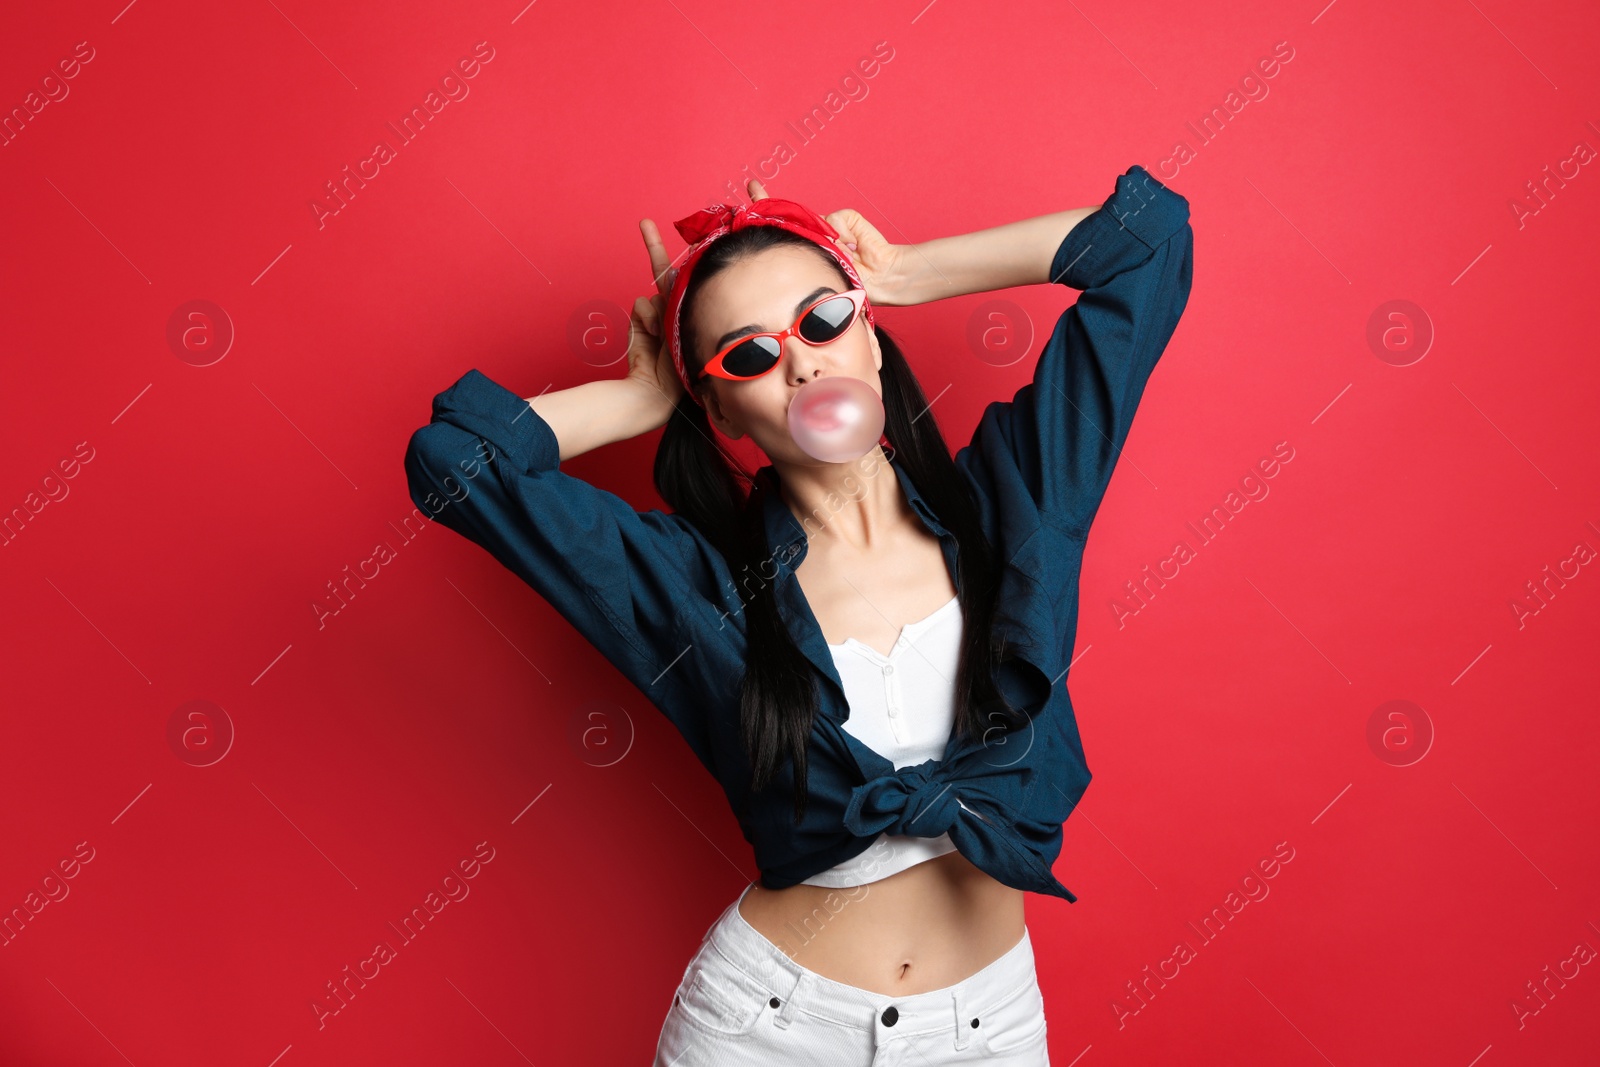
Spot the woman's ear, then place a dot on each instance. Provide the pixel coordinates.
(713, 406)
(877, 349)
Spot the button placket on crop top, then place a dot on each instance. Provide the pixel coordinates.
(649, 591)
(900, 707)
(929, 669)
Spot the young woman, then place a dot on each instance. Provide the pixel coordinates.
(869, 656)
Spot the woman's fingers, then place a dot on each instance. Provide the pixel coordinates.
(847, 221)
(757, 190)
(647, 309)
(660, 264)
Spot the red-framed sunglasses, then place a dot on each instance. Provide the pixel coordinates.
(755, 354)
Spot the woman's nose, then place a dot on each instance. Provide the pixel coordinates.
(804, 361)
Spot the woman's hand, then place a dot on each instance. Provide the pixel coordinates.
(882, 265)
(649, 362)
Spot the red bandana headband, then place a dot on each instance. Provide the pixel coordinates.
(707, 224)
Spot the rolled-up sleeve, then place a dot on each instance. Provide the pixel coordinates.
(488, 467)
(1057, 441)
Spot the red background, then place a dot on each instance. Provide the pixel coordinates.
(443, 705)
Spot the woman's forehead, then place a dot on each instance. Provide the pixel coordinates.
(763, 288)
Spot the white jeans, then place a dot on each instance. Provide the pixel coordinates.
(742, 1000)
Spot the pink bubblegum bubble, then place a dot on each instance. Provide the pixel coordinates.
(836, 419)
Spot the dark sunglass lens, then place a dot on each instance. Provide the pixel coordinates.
(827, 320)
(750, 358)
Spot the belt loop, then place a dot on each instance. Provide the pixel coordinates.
(785, 1016)
(959, 999)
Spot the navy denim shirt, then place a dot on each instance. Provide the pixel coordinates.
(659, 601)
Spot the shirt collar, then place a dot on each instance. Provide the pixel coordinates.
(786, 537)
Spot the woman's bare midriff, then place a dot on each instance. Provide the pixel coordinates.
(920, 929)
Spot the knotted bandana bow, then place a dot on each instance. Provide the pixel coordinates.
(708, 224)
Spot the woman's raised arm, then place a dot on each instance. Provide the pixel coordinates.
(1017, 253)
(1058, 440)
(602, 412)
(487, 466)
(593, 414)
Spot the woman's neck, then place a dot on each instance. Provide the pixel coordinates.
(850, 505)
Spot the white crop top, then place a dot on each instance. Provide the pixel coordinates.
(902, 706)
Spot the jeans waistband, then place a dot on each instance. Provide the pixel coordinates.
(767, 965)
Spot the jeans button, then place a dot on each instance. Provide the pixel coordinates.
(891, 1015)
(773, 1002)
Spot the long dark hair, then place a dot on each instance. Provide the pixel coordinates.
(702, 481)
